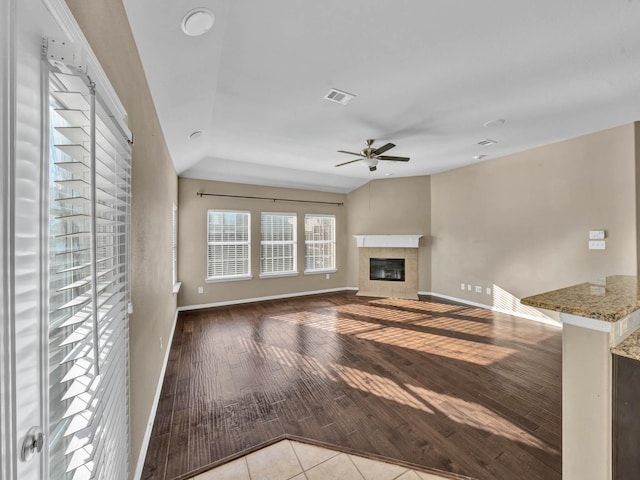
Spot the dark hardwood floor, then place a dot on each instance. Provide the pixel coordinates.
(429, 382)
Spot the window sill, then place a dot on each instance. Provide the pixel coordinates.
(176, 287)
(278, 275)
(320, 272)
(228, 279)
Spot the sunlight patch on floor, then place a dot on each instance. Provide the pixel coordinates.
(380, 386)
(380, 313)
(366, 382)
(460, 349)
(441, 345)
(477, 416)
(421, 305)
(489, 330)
(458, 410)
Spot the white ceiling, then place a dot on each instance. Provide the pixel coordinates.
(427, 74)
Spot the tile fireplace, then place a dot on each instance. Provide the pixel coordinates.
(388, 265)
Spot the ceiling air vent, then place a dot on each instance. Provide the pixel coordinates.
(487, 142)
(339, 96)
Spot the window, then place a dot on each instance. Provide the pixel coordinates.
(278, 244)
(228, 245)
(319, 243)
(89, 166)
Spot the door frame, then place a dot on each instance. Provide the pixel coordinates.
(8, 439)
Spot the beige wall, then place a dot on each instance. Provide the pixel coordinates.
(154, 189)
(637, 204)
(192, 241)
(521, 222)
(392, 206)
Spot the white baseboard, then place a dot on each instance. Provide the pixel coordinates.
(152, 415)
(546, 321)
(262, 299)
(526, 316)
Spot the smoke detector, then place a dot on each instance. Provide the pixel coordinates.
(498, 122)
(197, 21)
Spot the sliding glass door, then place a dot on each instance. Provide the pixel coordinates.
(65, 203)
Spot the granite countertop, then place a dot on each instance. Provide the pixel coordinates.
(608, 299)
(630, 346)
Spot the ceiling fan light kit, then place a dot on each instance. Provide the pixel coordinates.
(371, 156)
(372, 163)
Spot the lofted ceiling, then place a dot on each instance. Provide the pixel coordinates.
(427, 75)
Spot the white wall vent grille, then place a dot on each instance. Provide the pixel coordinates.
(339, 96)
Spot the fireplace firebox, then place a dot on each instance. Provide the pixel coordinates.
(386, 269)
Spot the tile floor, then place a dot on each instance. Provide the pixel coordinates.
(291, 460)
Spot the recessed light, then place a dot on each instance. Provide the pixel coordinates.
(486, 142)
(495, 123)
(388, 174)
(479, 157)
(197, 22)
(196, 134)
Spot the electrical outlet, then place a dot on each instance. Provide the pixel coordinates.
(478, 289)
(488, 290)
(200, 290)
(462, 286)
(328, 276)
(160, 343)
(469, 287)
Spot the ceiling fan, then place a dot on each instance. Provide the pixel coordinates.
(370, 155)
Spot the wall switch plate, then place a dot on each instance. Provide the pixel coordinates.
(597, 244)
(596, 234)
(328, 276)
(200, 290)
(488, 290)
(462, 286)
(469, 287)
(478, 289)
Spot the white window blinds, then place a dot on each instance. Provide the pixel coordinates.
(89, 208)
(319, 243)
(278, 244)
(228, 245)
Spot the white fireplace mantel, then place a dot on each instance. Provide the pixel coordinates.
(390, 241)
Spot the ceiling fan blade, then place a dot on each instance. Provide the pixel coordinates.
(383, 149)
(393, 159)
(350, 153)
(347, 163)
